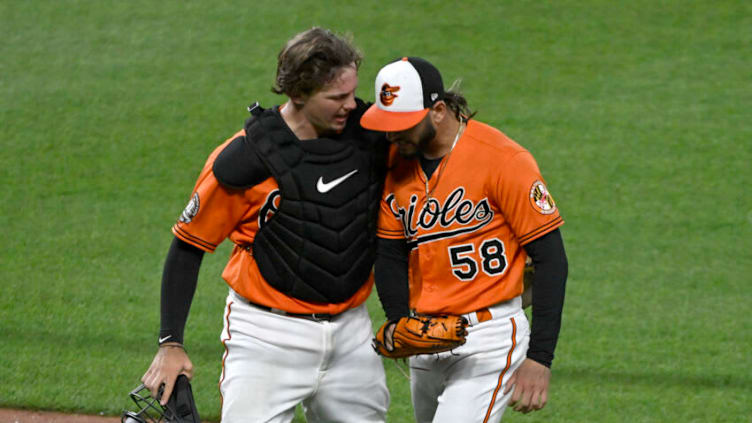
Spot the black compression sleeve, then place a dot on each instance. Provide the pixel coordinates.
(549, 282)
(179, 281)
(390, 273)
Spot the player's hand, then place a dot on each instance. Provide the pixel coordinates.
(170, 361)
(530, 383)
(389, 336)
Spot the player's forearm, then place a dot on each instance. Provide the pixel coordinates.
(390, 273)
(549, 283)
(179, 281)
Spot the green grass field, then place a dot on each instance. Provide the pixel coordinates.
(637, 112)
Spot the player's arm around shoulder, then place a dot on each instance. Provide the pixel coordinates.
(238, 165)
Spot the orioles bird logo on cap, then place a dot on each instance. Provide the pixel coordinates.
(387, 94)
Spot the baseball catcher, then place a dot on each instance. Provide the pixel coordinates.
(415, 335)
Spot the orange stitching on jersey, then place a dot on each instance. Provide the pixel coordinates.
(503, 372)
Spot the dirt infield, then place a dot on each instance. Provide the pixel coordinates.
(30, 416)
(27, 416)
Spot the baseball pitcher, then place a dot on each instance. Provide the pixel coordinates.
(463, 207)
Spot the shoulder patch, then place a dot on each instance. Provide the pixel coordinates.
(191, 210)
(541, 200)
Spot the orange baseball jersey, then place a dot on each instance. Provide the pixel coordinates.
(466, 226)
(216, 212)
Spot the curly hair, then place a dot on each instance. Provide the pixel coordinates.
(457, 103)
(311, 59)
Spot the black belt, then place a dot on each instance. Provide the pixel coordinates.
(316, 317)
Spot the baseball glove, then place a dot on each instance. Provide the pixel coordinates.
(420, 335)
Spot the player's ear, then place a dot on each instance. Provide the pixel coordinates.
(438, 112)
(298, 100)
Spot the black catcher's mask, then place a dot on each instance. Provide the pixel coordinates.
(180, 407)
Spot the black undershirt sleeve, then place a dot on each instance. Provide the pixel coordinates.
(549, 283)
(390, 274)
(179, 281)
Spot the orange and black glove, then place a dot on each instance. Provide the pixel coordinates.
(410, 336)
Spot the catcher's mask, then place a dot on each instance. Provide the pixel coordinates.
(180, 408)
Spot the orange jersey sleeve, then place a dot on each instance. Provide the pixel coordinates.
(467, 224)
(213, 210)
(524, 199)
(215, 213)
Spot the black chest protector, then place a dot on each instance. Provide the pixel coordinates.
(320, 244)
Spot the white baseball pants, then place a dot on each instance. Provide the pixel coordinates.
(467, 384)
(273, 362)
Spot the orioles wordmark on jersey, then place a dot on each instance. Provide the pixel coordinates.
(465, 228)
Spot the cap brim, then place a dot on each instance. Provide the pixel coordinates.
(377, 119)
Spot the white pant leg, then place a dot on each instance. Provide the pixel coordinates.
(470, 380)
(270, 363)
(352, 382)
(426, 384)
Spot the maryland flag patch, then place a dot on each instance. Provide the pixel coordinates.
(542, 200)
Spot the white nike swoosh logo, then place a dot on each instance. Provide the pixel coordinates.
(324, 187)
(165, 338)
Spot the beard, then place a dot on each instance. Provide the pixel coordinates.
(425, 138)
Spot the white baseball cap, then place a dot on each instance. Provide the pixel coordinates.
(405, 90)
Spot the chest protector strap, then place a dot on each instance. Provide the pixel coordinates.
(320, 244)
